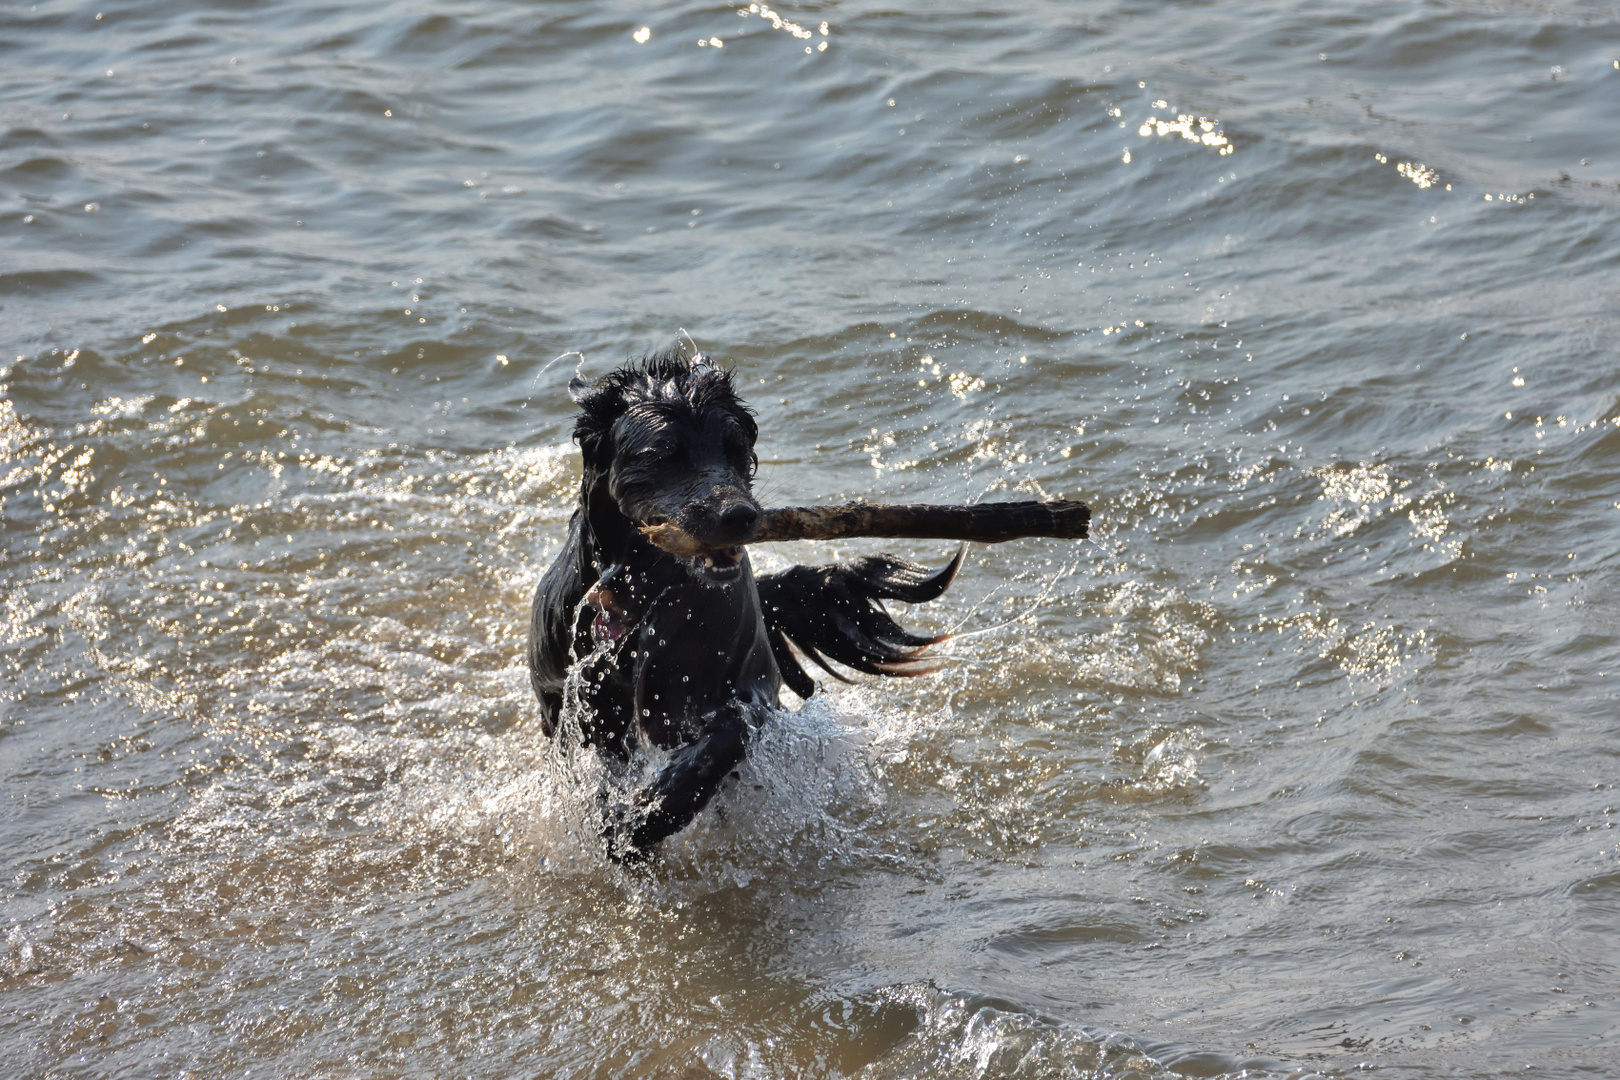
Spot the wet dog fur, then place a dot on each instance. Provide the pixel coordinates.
(689, 654)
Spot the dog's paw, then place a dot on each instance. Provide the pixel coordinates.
(620, 823)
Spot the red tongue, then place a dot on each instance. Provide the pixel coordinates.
(606, 628)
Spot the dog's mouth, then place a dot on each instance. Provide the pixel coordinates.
(717, 564)
(721, 564)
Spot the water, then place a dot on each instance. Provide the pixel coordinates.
(1305, 765)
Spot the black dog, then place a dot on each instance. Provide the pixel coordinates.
(689, 655)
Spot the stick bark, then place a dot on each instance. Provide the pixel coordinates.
(984, 523)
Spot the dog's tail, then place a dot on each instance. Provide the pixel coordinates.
(836, 612)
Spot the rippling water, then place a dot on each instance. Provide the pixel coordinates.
(1306, 764)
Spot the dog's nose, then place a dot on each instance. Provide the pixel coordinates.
(739, 519)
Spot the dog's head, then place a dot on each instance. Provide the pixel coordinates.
(668, 440)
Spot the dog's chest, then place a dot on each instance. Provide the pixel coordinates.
(696, 648)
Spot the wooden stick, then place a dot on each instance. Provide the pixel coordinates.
(984, 523)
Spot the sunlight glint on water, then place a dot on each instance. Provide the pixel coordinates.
(1304, 764)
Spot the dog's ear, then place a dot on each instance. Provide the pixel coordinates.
(579, 389)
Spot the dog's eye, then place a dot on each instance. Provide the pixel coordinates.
(743, 457)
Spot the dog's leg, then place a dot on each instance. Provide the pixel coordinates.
(684, 787)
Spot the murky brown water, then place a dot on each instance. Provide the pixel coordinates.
(1307, 764)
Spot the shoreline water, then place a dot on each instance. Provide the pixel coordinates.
(1304, 762)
